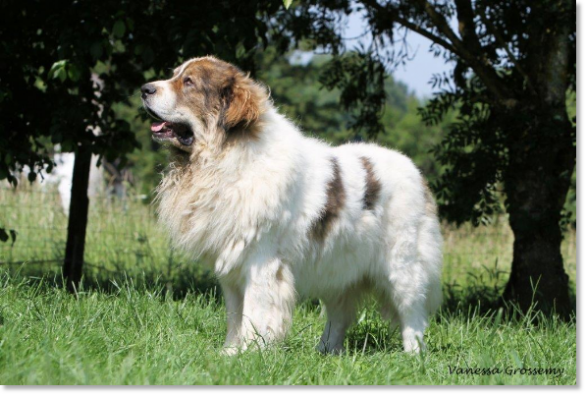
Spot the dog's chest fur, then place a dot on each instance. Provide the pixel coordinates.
(217, 210)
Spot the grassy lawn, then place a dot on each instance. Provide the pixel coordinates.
(148, 316)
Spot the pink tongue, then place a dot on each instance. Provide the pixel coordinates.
(157, 126)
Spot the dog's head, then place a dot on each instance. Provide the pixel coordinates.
(202, 104)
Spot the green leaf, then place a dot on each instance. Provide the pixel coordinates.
(118, 29)
(73, 72)
(58, 70)
(61, 74)
(287, 3)
(57, 65)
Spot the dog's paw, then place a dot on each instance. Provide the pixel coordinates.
(415, 347)
(230, 351)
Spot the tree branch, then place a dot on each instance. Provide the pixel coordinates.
(394, 16)
(469, 49)
(486, 73)
(466, 18)
(426, 33)
(442, 25)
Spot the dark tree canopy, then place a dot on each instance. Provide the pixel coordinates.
(64, 64)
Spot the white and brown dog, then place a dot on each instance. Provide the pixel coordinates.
(280, 216)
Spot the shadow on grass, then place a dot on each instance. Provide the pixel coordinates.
(478, 297)
(374, 336)
(184, 281)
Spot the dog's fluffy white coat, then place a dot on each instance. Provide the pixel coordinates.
(249, 213)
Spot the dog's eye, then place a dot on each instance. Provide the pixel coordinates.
(188, 81)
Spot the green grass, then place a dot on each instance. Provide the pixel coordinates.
(146, 315)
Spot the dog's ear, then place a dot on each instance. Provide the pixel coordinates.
(243, 101)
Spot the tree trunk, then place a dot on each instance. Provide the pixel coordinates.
(537, 182)
(78, 219)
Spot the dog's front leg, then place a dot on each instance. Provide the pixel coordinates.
(269, 299)
(233, 300)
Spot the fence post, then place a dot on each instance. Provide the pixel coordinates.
(78, 218)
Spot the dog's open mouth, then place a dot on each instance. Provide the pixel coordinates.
(165, 130)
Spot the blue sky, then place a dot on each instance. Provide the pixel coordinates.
(416, 73)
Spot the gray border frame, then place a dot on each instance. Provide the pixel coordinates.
(386, 390)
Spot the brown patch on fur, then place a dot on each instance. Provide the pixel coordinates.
(372, 185)
(431, 208)
(334, 202)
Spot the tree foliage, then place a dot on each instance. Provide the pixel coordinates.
(66, 64)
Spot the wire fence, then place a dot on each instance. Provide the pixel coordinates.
(122, 234)
(123, 238)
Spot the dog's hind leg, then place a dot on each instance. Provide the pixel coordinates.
(405, 307)
(406, 284)
(416, 286)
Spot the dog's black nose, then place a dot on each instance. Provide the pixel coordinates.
(148, 89)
